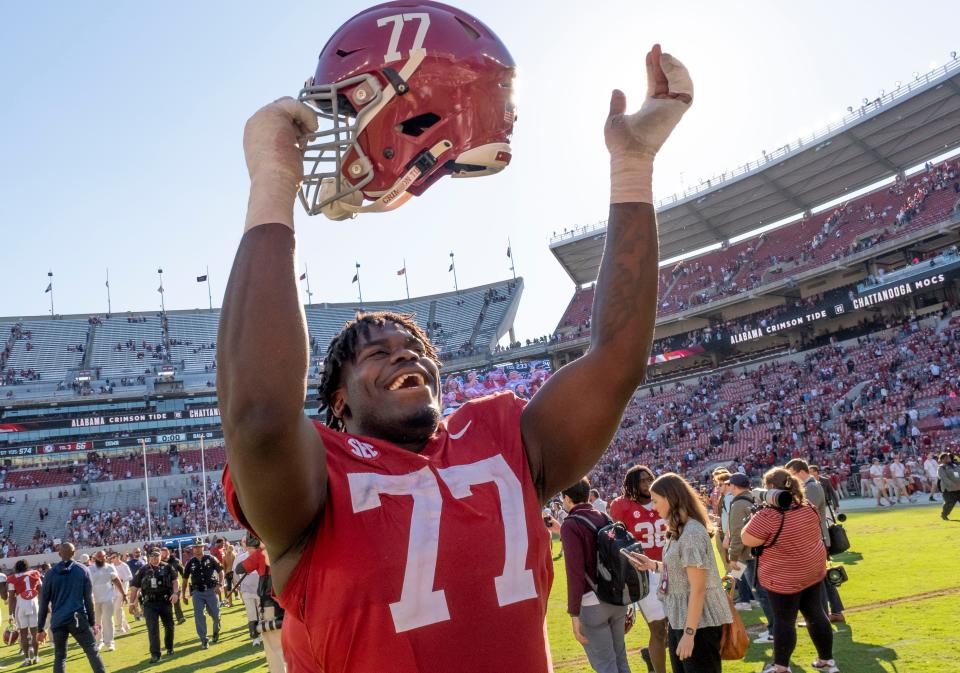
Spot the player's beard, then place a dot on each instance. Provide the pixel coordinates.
(415, 428)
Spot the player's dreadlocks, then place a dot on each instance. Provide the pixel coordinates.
(631, 482)
(343, 349)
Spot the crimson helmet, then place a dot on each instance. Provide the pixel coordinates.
(405, 92)
(11, 635)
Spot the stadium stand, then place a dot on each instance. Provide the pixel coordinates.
(889, 213)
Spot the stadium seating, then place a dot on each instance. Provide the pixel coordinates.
(127, 346)
(852, 227)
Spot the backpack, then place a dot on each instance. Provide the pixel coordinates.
(618, 582)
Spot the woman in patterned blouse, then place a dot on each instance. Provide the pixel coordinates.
(690, 589)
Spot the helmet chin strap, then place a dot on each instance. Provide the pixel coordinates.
(348, 206)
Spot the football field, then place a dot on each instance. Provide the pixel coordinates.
(901, 603)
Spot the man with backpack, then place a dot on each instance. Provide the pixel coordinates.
(598, 625)
(741, 556)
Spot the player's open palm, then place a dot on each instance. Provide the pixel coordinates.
(669, 96)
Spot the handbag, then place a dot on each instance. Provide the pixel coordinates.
(734, 640)
(839, 542)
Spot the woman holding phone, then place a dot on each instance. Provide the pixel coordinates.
(690, 587)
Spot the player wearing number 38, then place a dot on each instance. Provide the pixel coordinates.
(690, 587)
(402, 542)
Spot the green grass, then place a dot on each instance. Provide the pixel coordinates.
(896, 554)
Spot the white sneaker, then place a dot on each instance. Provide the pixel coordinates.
(111, 647)
(765, 638)
(772, 668)
(256, 642)
(828, 666)
(742, 606)
(754, 604)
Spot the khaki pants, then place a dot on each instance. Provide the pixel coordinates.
(272, 647)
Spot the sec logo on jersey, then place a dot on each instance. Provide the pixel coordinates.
(362, 449)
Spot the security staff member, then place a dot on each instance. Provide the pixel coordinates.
(205, 575)
(160, 586)
(171, 559)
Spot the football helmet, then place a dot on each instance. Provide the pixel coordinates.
(405, 92)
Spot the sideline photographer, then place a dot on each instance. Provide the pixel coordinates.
(741, 555)
(816, 496)
(791, 563)
(949, 474)
(271, 614)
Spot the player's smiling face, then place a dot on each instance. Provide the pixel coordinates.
(391, 391)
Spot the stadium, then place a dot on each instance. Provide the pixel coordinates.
(808, 307)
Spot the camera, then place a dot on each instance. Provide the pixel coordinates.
(773, 497)
(836, 575)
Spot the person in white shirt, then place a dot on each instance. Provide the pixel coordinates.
(106, 582)
(598, 503)
(248, 590)
(930, 468)
(124, 574)
(898, 476)
(879, 482)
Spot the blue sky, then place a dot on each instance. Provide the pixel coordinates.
(120, 135)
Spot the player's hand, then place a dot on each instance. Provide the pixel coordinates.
(577, 634)
(274, 160)
(685, 647)
(633, 140)
(186, 599)
(669, 96)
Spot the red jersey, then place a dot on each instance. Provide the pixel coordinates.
(217, 553)
(25, 585)
(645, 524)
(430, 561)
(256, 562)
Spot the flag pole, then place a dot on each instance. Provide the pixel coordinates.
(50, 285)
(453, 267)
(359, 289)
(406, 280)
(109, 308)
(513, 266)
(203, 476)
(209, 293)
(306, 277)
(146, 489)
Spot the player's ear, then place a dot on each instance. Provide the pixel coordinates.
(339, 406)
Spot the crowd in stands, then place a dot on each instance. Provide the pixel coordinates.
(907, 403)
(524, 379)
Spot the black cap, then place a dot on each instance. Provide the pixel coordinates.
(740, 480)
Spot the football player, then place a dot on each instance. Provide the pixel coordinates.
(23, 589)
(634, 509)
(372, 520)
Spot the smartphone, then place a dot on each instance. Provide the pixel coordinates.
(546, 520)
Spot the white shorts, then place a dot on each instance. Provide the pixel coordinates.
(878, 483)
(27, 613)
(651, 607)
(901, 482)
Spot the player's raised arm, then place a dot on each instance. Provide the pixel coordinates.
(569, 423)
(276, 458)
